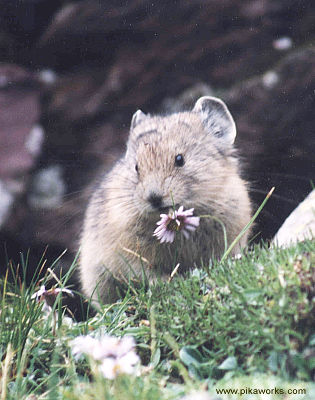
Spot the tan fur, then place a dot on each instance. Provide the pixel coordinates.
(120, 220)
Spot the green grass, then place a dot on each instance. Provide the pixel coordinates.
(246, 322)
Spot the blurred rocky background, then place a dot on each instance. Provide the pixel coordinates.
(72, 73)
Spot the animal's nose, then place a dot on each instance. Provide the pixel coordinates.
(155, 200)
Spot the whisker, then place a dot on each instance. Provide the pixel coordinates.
(274, 196)
(281, 175)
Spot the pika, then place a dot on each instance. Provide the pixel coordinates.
(183, 159)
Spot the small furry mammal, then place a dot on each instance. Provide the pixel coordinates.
(184, 159)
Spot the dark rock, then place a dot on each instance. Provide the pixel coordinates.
(276, 136)
(174, 44)
(21, 24)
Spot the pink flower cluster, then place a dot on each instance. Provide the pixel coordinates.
(179, 220)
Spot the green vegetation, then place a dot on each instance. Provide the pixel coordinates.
(241, 323)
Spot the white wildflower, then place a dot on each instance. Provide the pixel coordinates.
(115, 356)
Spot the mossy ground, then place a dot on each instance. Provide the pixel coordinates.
(241, 323)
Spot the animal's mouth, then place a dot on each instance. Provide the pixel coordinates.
(167, 209)
(164, 209)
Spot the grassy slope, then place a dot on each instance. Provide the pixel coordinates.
(241, 323)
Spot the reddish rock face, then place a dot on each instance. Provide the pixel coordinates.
(112, 58)
(19, 112)
(20, 137)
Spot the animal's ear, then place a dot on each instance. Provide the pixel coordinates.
(137, 117)
(216, 118)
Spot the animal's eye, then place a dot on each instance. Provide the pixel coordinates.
(137, 168)
(179, 160)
